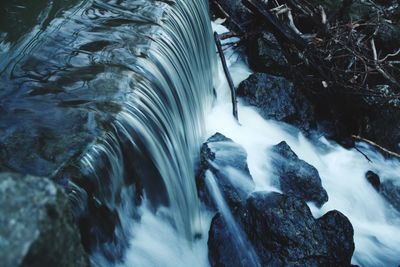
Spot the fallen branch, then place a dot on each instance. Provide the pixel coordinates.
(227, 74)
(388, 152)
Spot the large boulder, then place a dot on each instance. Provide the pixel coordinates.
(283, 232)
(223, 158)
(265, 54)
(228, 245)
(276, 98)
(36, 225)
(297, 177)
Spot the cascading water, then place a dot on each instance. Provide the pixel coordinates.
(134, 77)
(162, 119)
(376, 224)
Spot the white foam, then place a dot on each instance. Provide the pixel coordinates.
(376, 224)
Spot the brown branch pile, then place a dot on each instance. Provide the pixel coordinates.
(345, 52)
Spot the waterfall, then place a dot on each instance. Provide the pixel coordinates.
(159, 130)
(131, 78)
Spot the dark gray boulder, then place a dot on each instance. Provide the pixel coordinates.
(297, 177)
(265, 55)
(339, 233)
(220, 154)
(227, 248)
(276, 98)
(36, 225)
(283, 232)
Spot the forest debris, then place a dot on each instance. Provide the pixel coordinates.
(338, 51)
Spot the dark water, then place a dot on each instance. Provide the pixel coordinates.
(107, 98)
(62, 75)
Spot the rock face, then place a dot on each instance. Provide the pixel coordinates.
(297, 177)
(277, 98)
(36, 225)
(283, 232)
(265, 55)
(219, 155)
(224, 248)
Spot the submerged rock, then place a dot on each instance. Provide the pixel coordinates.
(391, 191)
(277, 99)
(297, 177)
(373, 179)
(283, 232)
(36, 225)
(227, 161)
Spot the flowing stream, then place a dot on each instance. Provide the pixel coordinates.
(376, 224)
(135, 79)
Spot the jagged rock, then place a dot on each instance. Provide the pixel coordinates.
(220, 155)
(391, 191)
(277, 98)
(297, 177)
(373, 179)
(283, 232)
(36, 225)
(226, 248)
(265, 55)
(339, 233)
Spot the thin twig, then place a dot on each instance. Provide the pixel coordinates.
(391, 153)
(228, 75)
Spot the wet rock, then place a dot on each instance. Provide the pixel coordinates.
(225, 248)
(391, 191)
(227, 161)
(373, 179)
(265, 55)
(283, 232)
(294, 236)
(339, 233)
(297, 177)
(36, 225)
(277, 99)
